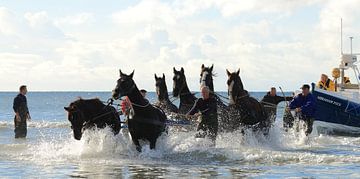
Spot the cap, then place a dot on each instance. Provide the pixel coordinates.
(305, 86)
(143, 91)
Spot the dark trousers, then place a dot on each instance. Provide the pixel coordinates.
(288, 122)
(20, 128)
(309, 121)
(208, 127)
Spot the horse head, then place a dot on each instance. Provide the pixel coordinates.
(161, 88)
(235, 86)
(206, 77)
(179, 82)
(76, 118)
(125, 84)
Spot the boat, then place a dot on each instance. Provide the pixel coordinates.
(338, 112)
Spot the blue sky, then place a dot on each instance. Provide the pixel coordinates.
(81, 45)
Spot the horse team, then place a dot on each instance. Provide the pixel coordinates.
(148, 121)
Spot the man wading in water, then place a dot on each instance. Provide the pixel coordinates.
(21, 113)
(209, 121)
(271, 100)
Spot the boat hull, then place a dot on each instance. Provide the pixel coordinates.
(335, 115)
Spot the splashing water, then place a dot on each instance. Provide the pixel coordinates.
(252, 154)
(51, 151)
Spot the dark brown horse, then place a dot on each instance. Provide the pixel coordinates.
(187, 99)
(163, 97)
(148, 122)
(244, 110)
(89, 113)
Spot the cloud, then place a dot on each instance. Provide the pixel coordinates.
(75, 20)
(151, 11)
(155, 36)
(9, 23)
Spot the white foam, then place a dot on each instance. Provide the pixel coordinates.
(277, 148)
(37, 124)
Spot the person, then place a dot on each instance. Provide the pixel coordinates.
(21, 113)
(325, 83)
(143, 92)
(304, 106)
(207, 107)
(271, 100)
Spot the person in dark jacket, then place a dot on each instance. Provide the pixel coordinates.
(207, 107)
(304, 105)
(271, 100)
(21, 113)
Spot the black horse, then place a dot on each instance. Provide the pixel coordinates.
(187, 99)
(206, 79)
(148, 122)
(89, 113)
(244, 111)
(163, 97)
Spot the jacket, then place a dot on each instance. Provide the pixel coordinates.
(328, 85)
(306, 103)
(20, 104)
(270, 102)
(208, 108)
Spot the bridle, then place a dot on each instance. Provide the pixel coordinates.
(128, 91)
(237, 97)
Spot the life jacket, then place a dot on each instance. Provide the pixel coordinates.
(328, 85)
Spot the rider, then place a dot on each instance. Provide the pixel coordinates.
(207, 107)
(304, 104)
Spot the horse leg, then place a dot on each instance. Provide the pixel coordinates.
(137, 144)
(152, 143)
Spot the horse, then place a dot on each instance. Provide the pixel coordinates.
(244, 110)
(206, 79)
(180, 89)
(148, 122)
(163, 97)
(90, 113)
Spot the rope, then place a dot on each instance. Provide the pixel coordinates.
(287, 104)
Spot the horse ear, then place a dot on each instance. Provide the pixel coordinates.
(202, 66)
(67, 108)
(238, 72)
(155, 76)
(132, 74)
(182, 70)
(212, 66)
(121, 74)
(163, 76)
(228, 73)
(174, 70)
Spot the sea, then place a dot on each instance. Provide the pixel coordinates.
(50, 151)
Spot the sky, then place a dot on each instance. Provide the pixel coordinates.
(80, 45)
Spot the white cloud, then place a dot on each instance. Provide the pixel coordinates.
(151, 11)
(154, 36)
(75, 20)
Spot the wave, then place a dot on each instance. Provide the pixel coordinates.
(37, 124)
(182, 148)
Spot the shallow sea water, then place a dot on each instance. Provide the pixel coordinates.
(50, 151)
